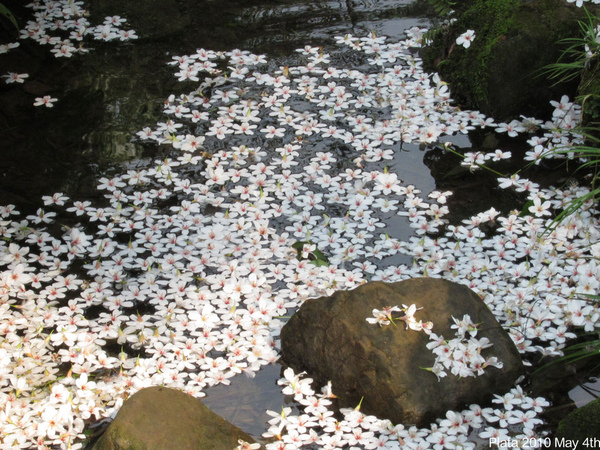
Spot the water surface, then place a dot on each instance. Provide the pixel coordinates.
(109, 94)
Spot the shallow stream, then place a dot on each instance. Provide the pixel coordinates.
(108, 95)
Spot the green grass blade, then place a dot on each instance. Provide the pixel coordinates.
(4, 11)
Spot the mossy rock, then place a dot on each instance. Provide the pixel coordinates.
(501, 73)
(158, 418)
(581, 424)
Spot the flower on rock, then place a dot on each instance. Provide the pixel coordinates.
(383, 317)
(246, 445)
(412, 323)
(461, 355)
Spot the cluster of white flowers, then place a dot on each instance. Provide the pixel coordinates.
(475, 160)
(385, 317)
(62, 24)
(316, 425)
(188, 264)
(462, 356)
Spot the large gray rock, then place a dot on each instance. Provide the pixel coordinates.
(330, 339)
(159, 418)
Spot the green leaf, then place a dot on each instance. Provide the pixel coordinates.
(456, 171)
(319, 262)
(320, 256)
(4, 11)
(316, 256)
(525, 211)
(442, 7)
(299, 244)
(591, 297)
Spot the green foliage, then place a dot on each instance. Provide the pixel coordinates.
(525, 210)
(442, 7)
(575, 58)
(466, 69)
(590, 104)
(494, 20)
(432, 34)
(589, 154)
(581, 350)
(5, 12)
(580, 61)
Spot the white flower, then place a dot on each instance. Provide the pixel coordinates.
(46, 100)
(246, 446)
(540, 209)
(466, 38)
(12, 77)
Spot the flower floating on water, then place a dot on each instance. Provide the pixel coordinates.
(46, 101)
(540, 209)
(5, 48)
(12, 77)
(466, 38)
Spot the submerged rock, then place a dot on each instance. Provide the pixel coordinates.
(158, 418)
(330, 339)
